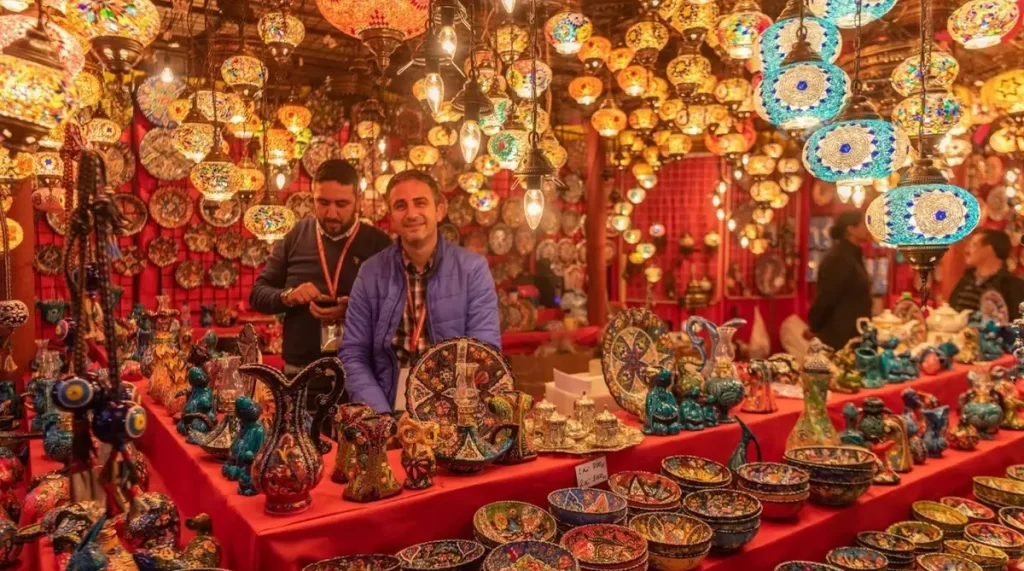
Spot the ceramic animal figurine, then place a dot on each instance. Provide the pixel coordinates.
(346, 463)
(719, 370)
(814, 428)
(203, 551)
(199, 401)
(759, 397)
(850, 436)
(58, 436)
(990, 341)
(209, 342)
(964, 436)
(981, 405)
(12, 472)
(511, 407)
(238, 467)
(872, 421)
(848, 379)
(867, 359)
(418, 439)
(885, 475)
(661, 414)
(970, 348)
(374, 479)
(691, 416)
(915, 424)
(710, 411)
(741, 454)
(894, 368)
(895, 429)
(1013, 405)
(688, 376)
(935, 437)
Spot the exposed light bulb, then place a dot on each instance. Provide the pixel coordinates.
(720, 214)
(167, 75)
(745, 159)
(1010, 192)
(509, 5)
(533, 205)
(731, 225)
(363, 183)
(22, 5)
(434, 87)
(744, 241)
(716, 201)
(722, 187)
(858, 196)
(383, 165)
(279, 180)
(469, 140)
(845, 192)
(382, 145)
(448, 39)
(737, 174)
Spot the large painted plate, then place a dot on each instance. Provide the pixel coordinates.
(160, 158)
(993, 307)
(634, 340)
(120, 163)
(430, 391)
(155, 96)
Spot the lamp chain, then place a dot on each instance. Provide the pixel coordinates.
(923, 66)
(856, 85)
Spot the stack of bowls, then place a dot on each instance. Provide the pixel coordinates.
(945, 562)
(356, 563)
(899, 551)
(926, 537)
(857, 559)
(838, 474)
(646, 492)
(573, 507)
(506, 522)
(694, 473)
(783, 490)
(1009, 541)
(1012, 518)
(734, 516)
(604, 547)
(675, 542)
(442, 555)
(989, 558)
(949, 520)
(974, 511)
(999, 492)
(540, 555)
(1016, 472)
(804, 566)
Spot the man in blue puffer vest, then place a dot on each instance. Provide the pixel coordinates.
(419, 291)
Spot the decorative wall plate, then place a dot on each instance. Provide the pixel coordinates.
(526, 240)
(131, 263)
(558, 268)
(551, 220)
(230, 244)
(547, 250)
(430, 391)
(255, 253)
(769, 274)
(119, 161)
(993, 306)
(162, 251)
(499, 272)
(133, 213)
(171, 207)
(320, 149)
(223, 274)
(451, 233)
(501, 239)
(460, 213)
(476, 242)
(444, 173)
(510, 315)
(512, 212)
(581, 252)
(189, 274)
(998, 203)
(515, 267)
(199, 238)
(570, 222)
(574, 189)
(566, 251)
(574, 276)
(58, 220)
(302, 204)
(486, 219)
(155, 96)
(327, 113)
(220, 214)
(634, 340)
(49, 260)
(117, 102)
(160, 158)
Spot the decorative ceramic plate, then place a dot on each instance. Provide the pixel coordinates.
(444, 173)
(570, 222)
(499, 272)
(49, 260)
(486, 218)
(119, 161)
(255, 253)
(558, 268)
(117, 102)
(171, 207)
(162, 251)
(908, 310)
(998, 203)
(551, 220)
(769, 274)
(154, 97)
(450, 232)
(133, 213)
(131, 263)
(460, 213)
(634, 340)
(476, 242)
(189, 274)
(160, 158)
(993, 307)
(581, 251)
(574, 276)
(603, 544)
(301, 204)
(199, 238)
(512, 212)
(515, 267)
(320, 149)
(547, 250)
(58, 220)
(220, 214)
(223, 274)
(525, 240)
(327, 114)
(574, 189)
(230, 244)
(566, 251)
(501, 239)
(430, 391)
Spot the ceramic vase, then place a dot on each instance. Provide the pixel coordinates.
(346, 462)
(814, 427)
(719, 368)
(374, 480)
(511, 408)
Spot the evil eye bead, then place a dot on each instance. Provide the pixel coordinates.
(135, 422)
(74, 393)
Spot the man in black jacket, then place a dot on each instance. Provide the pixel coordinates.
(987, 251)
(843, 292)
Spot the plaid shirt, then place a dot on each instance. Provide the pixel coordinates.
(402, 342)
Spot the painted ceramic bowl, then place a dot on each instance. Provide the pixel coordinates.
(1001, 537)
(603, 546)
(442, 555)
(504, 522)
(780, 507)
(1012, 518)
(989, 558)
(530, 555)
(586, 506)
(948, 519)
(804, 566)
(676, 542)
(926, 537)
(694, 473)
(645, 489)
(356, 563)
(898, 550)
(834, 464)
(970, 508)
(722, 505)
(857, 559)
(1000, 491)
(772, 478)
(837, 494)
(945, 562)
(1016, 472)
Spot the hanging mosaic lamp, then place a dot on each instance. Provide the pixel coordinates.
(194, 137)
(803, 92)
(634, 80)
(442, 136)
(737, 31)
(424, 156)
(586, 89)
(843, 13)
(280, 143)
(525, 115)
(779, 39)
(69, 50)
(510, 41)
(733, 91)
(492, 122)
(566, 31)
(647, 38)
(120, 30)
(509, 146)
(688, 71)
(643, 119)
(943, 69)
(247, 129)
(1004, 93)
(522, 80)
(609, 120)
(644, 175)
(594, 52)
(619, 59)
(693, 20)
(676, 146)
(940, 115)
(294, 116)
(251, 177)
(382, 25)
(269, 222)
(244, 73)
(979, 24)
(282, 33)
(216, 178)
(229, 107)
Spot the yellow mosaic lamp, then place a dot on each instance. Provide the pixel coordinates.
(676, 146)
(529, 78)
(645, 175)
(693, 20)
(219, 106)
(634, 79)
(251, 177)
(244, 73)
(509, 146)
(594, 52)
(619, 59)
(688, 71)
(643, 119)
(281, 33)
(294, 116)
(120, 29)
(647, 38)
(566, 31)
(669, 109)
(586, 89)
(424, 156)
(979, 24)
(269, 222)
(280, 145)
(1004, 93)
(216, 178)
(442, 136)
(737, 31)
(382, 25)
(194, 137)
(88, 88)
(510, 41)
(609, 120)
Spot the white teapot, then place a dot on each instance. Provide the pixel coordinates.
(945, 319)
(888, 325)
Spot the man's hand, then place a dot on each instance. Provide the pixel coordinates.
(303, 294)
(334, 313)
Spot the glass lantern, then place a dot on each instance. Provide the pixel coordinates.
(737, 32)
(802, 95)
(634, 80)
(566, 31)
(855, 152)
(609, 120)
(647, 38)
(282, 33)
(778, 40)
(619, 59)
(1004, 93)
(521, 78)
(979, 24)
(594, 52)
(843, 13)
(586, 89)
(269, 222)
(942, 72)
(932, 214)
(688, 71)
(509, 146)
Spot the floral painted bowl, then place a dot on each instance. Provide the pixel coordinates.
(926, 537)
(1000, 491)
(899, 550)
(973, 510)
(1016, 472)
(586, 506)
(833, 463)
(676, 542)
(989, 558)
(1012, 518)
(645, 489)
(837, 494)
(722, 505)
(442, 555)
(530, 555)
(945, 562)
(857, 559)
(780, 507)
(356, 563)
(605, 546)
(1001, 537)
(504, 522)
(948, 519)
(694, 473)
(772, 478)
(804, 566)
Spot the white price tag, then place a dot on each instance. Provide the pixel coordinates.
(590, 474)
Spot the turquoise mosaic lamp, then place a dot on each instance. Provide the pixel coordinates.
(857, 148)
(803, 92)
(778, 40)
(843, 13)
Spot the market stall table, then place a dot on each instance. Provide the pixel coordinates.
(254, 540)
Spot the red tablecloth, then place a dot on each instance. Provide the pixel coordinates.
(331, 527)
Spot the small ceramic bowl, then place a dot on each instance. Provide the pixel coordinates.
(837, 494)
(645, 489)
(694, 473)
(1000, 491)
(780, 507)
(548, 556)
(833, 463)
(989, 558)
(804, 566)
(356, 563)
(1016, 472)
(586, 506)
(926, 537)
(898, 550)
(974, 511)
(605, 546)
(1001, 537)
(945, 562)
(728, 539)
(504, 522)
(1012, 518)
(442, 555)
(857, 559)
(772, 478)
(949, 520)
(722, 506)
(676, 542)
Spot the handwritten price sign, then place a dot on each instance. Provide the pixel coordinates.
(592, 473)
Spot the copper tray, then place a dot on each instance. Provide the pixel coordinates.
(189, 274)
(171, 207)
(162, 251)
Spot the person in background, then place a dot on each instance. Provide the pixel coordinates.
(986, 254)
(417, 292)
(310, 273)
(843, 292)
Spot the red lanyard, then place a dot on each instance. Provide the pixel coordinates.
(421, 315)
(332, 286)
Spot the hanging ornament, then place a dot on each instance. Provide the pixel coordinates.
(979, 24)
(619, 58)
(609, 119)
(216, 177)
(843, 13)
(594, 52)
(567, 31)
(533, 207)
(194, 137)
(779, 39)
(634, 80)
(737, 31)
(529, 78)
(282, 33)
(244, 73)
(586, 89)
(382, 25)
(120, 30)
(647, 38)
(510, 41)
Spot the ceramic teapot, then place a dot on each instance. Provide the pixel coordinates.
(888, 325)
(945, 319)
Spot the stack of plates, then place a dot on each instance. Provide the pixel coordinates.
(999, 492)
(926, 537)
(676, 542)
(783, 490)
